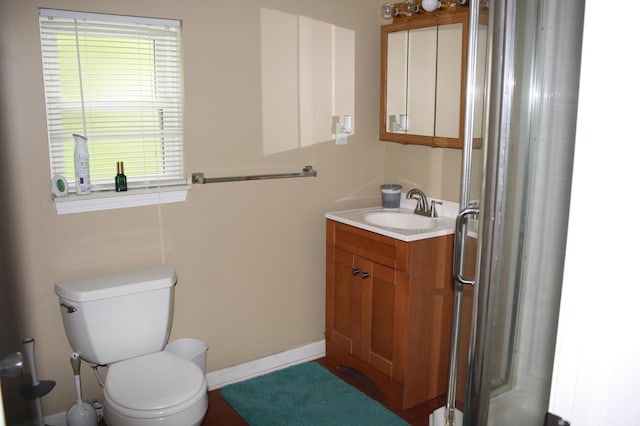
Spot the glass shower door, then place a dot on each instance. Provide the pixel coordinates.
(535, 53)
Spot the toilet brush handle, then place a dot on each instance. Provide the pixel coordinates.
(75, 364)
(76, 378)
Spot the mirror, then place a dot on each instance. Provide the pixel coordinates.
(423, 75)
(411, 79)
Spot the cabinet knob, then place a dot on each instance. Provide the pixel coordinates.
(355, 271)
(365, 275)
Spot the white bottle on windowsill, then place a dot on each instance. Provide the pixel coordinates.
(81, 159)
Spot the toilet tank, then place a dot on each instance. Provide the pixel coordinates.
(113, 317)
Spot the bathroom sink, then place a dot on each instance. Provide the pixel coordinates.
(401, 224)
(400, 220)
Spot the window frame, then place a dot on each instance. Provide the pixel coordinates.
(149, 189)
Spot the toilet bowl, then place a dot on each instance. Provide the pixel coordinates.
(122, 320)
(159, 388)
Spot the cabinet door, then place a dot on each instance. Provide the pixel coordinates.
(411, 81)
(384, 304)
(421, 81)
(396, 100)
(344, 301)
(449, 82)
(366, 310)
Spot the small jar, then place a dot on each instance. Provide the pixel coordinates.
(390, 194)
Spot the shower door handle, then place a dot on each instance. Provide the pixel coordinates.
(460, 245)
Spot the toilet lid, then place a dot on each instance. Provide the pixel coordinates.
(153, 382)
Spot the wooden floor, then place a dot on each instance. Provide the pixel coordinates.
(220, 413)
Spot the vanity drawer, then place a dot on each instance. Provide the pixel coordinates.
(369, 245)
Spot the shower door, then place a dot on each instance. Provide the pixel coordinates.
(533, 62)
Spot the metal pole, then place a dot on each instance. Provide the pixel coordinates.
(501, 33)
(472, 55)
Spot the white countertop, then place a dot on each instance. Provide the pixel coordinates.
(443, 225)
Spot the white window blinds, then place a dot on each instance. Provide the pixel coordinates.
(118, 81)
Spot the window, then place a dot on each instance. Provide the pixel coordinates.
(118, 81)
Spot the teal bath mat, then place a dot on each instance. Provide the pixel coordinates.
(305, 394)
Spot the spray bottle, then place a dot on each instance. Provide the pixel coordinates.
(81, 158)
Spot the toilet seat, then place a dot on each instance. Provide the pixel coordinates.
(156, 386)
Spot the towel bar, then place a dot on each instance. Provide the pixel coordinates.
(307, 171)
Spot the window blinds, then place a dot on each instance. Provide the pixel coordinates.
(118, 81)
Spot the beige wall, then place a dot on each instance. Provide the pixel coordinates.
(435, 170)
(249, 255)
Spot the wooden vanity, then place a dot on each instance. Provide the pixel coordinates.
(389, 310)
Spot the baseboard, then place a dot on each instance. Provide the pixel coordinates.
(226, 376)
(58, 419)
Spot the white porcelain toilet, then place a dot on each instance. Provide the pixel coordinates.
(122, 320)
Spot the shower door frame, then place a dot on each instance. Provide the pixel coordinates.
(488, 269)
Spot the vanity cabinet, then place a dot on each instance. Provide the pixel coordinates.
(388, 311)
(423, 79)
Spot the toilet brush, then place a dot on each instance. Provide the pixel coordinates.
(81, 413)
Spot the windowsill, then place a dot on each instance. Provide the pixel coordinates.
(109, 200)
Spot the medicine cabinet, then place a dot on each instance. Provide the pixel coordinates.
(423, 79)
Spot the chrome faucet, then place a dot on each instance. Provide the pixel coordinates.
(423, 208)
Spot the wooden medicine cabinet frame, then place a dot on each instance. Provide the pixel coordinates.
(459, 16)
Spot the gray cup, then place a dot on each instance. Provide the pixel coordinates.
(390, 193)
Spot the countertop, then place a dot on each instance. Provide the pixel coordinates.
(443, 225)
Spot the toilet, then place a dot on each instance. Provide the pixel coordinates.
(122, 320)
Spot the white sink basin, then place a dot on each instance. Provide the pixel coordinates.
(401, 224)
(400, 220)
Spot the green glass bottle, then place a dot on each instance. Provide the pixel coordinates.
(121, 179)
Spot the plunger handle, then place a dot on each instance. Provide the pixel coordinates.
(29, 343)
(75, 363)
